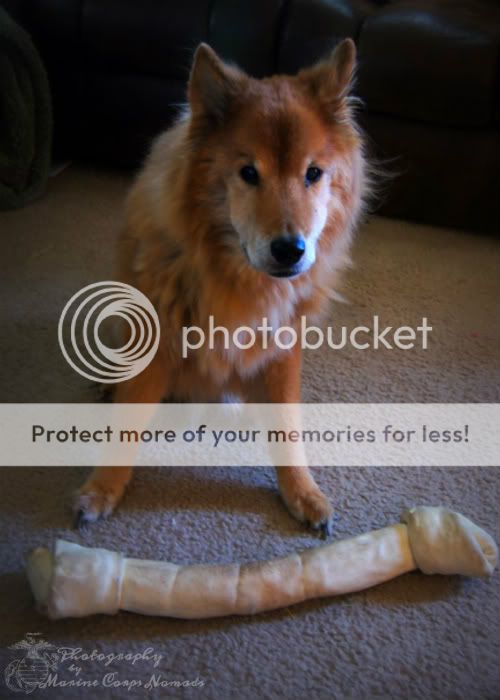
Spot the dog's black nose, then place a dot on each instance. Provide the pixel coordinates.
(287, 250)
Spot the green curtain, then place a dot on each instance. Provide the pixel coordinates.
(25, 117)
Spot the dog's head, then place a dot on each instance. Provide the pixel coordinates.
(282, 154)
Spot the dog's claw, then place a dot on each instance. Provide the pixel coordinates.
(81, 521)
(326, 528)
(92, 503)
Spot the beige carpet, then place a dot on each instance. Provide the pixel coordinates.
(436, 638)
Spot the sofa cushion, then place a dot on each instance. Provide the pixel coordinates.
(432, 61)
(245, 32)
(147, 37)
(312, 28)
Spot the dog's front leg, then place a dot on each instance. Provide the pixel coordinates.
(280, 383)
(105, 486)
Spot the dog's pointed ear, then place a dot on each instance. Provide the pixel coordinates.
(330, 80)
(212, 84)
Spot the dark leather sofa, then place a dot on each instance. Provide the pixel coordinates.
(429, 76)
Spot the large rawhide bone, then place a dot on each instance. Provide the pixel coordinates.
(74, 581)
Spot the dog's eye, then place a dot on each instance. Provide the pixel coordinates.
(249, 175)
(313, 174)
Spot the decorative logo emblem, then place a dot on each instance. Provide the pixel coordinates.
(26, 673)
(80, 337)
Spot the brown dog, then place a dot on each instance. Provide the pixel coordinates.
(244, 210)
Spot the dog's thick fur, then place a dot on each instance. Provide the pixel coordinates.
(197, 236)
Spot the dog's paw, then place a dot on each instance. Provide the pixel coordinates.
(313, 508)
(93, 502)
